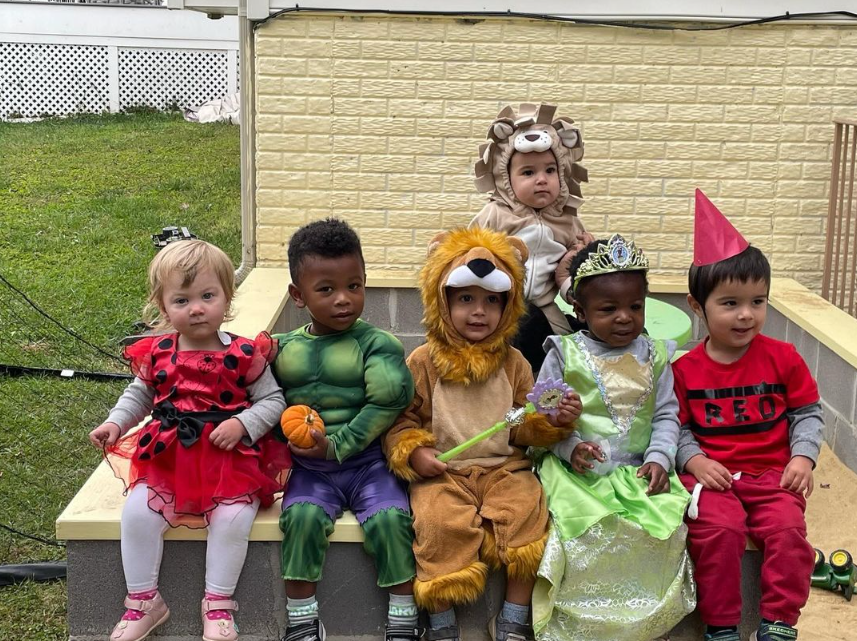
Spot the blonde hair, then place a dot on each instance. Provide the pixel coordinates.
(188, 257)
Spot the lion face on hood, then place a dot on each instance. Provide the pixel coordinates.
(532, 128)
(471, 257)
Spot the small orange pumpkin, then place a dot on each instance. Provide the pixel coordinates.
(297, 421)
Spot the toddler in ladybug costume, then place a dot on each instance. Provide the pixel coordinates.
(206, 457)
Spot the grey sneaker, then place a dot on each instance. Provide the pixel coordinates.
(305, 632)
(723, 635)
(443, 634)
(776, 631)
(402, 633)
(502, 630)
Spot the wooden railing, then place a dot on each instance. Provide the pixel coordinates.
(840, 257)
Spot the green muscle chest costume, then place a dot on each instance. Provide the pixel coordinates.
(358, 382)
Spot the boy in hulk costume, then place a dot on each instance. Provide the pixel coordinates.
(354, 376)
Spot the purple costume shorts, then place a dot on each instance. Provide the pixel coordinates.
(362, 484)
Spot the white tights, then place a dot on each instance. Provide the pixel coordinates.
(142, 541)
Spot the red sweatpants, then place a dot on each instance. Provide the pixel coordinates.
(755, 506)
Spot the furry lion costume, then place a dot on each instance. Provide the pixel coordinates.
(487, 509)
(551, 232)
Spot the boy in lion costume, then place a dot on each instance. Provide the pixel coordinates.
(485, 508)
(530, 168)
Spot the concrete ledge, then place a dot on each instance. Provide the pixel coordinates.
(351, 605)
(821, 319)
(260, 301)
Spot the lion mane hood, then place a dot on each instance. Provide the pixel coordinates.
(537, 128)
(487, 257)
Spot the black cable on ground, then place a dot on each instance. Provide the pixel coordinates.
(17, 370)
(68, 331)
(32, 537)
(48, 571)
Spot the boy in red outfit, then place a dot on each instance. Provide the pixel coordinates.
(751, 433)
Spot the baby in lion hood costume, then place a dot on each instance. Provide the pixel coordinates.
(484, 508)
(530, 169)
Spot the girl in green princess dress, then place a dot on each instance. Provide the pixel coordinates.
(615, 567)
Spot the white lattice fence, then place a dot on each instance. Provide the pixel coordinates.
(50, 79)
(61, 59)
(163, 78)
(44, 79)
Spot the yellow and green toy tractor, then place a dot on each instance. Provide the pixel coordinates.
(837, 573)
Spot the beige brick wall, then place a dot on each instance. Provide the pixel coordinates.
(377, 120)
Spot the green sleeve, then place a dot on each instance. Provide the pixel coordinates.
(389, 390)
(281, 339)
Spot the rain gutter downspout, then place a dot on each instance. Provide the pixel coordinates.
(247, 120)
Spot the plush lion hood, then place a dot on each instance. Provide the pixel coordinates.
(532, 128)
(462, 257)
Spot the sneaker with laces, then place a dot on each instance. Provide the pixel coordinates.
(776, 631)
(723, 635)
(305, 632)
(450, 633)
(502, 630)
(402, 633)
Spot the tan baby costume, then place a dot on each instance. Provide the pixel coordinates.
(551, 232)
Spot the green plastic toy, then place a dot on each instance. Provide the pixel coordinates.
(838, 573)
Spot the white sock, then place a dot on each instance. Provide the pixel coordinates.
(301, 611)
(403, 610)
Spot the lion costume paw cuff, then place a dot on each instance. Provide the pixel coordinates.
(399, 453)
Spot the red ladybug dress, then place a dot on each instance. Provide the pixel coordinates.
(195, 391)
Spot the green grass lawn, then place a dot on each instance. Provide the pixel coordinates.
(79, 199)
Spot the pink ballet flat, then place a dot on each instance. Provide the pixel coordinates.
(155, 612)
(218, 629)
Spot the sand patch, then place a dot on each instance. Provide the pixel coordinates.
(831, 520)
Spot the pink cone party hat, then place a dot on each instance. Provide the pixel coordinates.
(714, 237)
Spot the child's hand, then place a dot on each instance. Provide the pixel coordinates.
(563, 267)
(659, 479)
(319, 450)
(424, 462)
(711, 474)
(582, 240)
(227, 435)
(569, 410)
(797, 476)
(104, 435)
(583, 453)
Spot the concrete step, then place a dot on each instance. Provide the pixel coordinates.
(352, 606)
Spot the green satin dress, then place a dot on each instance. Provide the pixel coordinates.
(615, 567)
